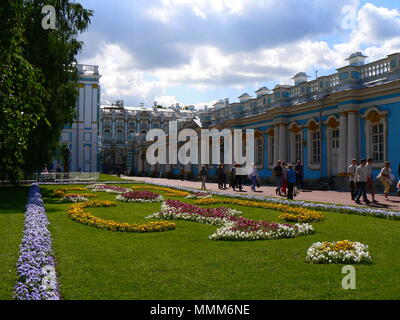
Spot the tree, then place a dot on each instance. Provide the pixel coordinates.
(22, 95)
(53, 52)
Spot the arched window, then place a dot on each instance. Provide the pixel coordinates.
(376, 134)
(120, 135)
(314, 150)
(107, 135)
(131, 135)
(143, 136)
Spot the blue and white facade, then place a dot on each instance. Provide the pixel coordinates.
(82, 136)
(327, 122)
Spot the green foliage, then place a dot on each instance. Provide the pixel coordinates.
(38, 81)
(22, 95)
(53, 51)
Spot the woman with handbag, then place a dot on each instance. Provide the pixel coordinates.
(386, 177)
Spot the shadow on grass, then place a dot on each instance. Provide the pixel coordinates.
(10, 199)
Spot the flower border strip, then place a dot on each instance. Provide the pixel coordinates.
(77, 213)
(35, 254)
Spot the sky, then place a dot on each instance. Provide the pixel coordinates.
(195, 52)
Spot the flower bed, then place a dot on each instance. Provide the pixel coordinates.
(140, 196)
(35, 254)
(169, 191)
(233, 227)
(107, 188)
(61, 193)
(291, 214)
(365, 211)
(74, 198)
(344, 251)
(77, 213)
(198, 195)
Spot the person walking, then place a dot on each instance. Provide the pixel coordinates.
(299, 169)
(284, 177)
(203, 176)
(223, 177)
(386, 177)
(238, 179)
(352, 175)
(253, 176)
(232, 177)
(370, 181)
(361, 179)
(182, 173)
(220, 175)
(291, 179)
(277, 172)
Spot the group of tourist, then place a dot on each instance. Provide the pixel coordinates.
(361, 179)
(288, 178)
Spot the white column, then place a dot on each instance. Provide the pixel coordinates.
(282, 142)
(342, 159)
(352, 136)
(276, 144)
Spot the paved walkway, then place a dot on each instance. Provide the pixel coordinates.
(318, 196)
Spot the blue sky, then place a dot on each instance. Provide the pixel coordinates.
(199, 51)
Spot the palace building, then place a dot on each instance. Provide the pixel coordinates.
(124, 132)
(82, 136)
(325, 123)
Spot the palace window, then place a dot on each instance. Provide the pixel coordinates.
(335, 139)
(120, 135)
(298, 145)
(143, 136)
(315, 147)
(375, 131)
(107, 135)
(378, 142)
(271, 147)
(131, 135)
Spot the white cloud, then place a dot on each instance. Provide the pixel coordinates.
(210, 65)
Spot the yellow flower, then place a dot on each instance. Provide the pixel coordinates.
(77, 213)
(292, 214)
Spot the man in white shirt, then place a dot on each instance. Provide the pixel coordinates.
(361, 177)
(351, 174)
(370, 181)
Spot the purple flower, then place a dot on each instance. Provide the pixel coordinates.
(35, 254)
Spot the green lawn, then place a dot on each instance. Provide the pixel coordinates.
(109, 177)
(185, 264)
(12, 208)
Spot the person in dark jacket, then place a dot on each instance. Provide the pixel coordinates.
(232, 177)
(203, 176)
(238, 179)
(299, 175)
(221, 176)
(291, 178)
